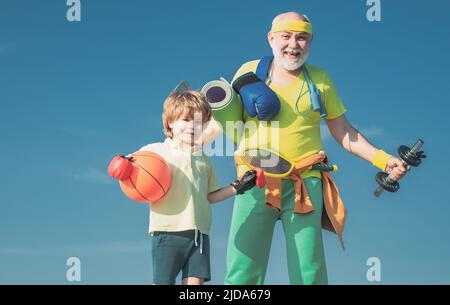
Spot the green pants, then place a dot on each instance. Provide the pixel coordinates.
(251, 236)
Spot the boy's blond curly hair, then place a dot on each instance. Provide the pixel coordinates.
(185, 103)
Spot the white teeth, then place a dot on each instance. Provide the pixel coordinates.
(295, 53)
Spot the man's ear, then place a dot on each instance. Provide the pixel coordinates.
(270, 38)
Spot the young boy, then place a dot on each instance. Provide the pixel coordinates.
(180, 221)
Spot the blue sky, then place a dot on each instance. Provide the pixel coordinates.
(73, 95)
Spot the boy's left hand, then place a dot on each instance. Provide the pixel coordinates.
(249, 180)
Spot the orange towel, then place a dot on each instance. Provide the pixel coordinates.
(334, 212)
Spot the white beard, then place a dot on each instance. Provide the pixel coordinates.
(287, 64)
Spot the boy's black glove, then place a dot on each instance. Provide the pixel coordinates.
(249, 180)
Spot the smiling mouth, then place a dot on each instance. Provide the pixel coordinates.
(294, 55)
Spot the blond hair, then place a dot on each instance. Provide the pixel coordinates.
(186, 103)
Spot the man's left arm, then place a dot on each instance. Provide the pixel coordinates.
(354, 141)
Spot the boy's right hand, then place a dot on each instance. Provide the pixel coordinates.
(120, 167)
(249, 180)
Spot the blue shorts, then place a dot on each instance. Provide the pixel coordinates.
(173, 252)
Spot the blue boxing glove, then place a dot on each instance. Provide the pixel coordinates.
(258, 99)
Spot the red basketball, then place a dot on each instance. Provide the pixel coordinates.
(150, 178)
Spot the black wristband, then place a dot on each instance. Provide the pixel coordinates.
(237, 186)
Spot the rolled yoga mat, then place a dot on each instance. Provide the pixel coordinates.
(226, 107)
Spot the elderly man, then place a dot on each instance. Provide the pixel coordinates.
(307, 200)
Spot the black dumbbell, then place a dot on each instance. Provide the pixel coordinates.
(409, 156)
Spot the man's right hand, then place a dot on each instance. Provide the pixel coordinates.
(120, 167)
